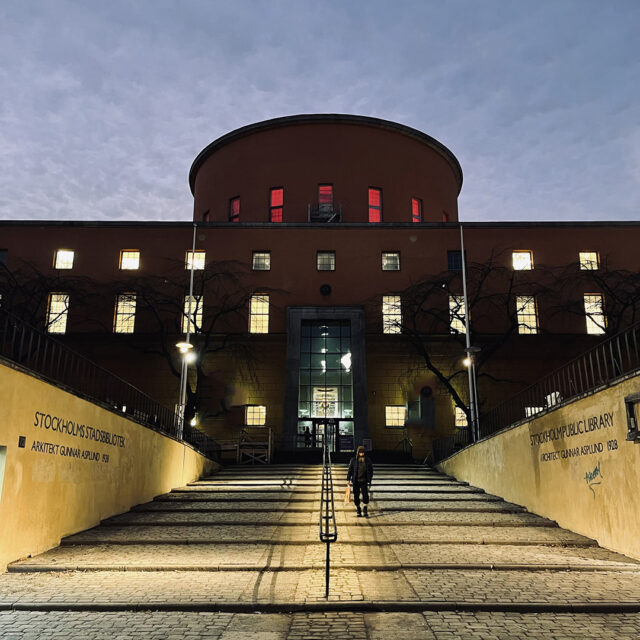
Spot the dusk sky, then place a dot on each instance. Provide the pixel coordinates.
(104, 105)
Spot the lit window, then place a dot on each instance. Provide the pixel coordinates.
(391, 314)
(416, 210)
(234, 210)
(589, 260)
(198, 259)
(375, 205)
(275, 204)
(261, 261)
(125, 315)
(57, 312)
(460, 418)
(391, 261)
(192, 321)
(325, 196)
(527, 313)
(256, 415)
(522, 260)
(594, 312)
(454, 260)
(456, 314)
(64, 259)
(326, 260)
(531, 411)
(259, 313)
(395, 416)
(130, 259)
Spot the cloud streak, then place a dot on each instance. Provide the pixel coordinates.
(105, 105)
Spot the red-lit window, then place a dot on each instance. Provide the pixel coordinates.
(275, 204)
(416, 210)
(234, 210)
(325, 196)
(375, 205)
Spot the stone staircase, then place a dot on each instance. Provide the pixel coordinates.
(435, 557)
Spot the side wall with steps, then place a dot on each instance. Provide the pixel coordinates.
(572, 465)
(70, 463)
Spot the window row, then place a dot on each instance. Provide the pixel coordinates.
(129, 259)
(526, 314)
(125, 313)
(522, 260)
(325, 203)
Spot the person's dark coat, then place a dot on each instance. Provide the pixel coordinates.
(352, 474)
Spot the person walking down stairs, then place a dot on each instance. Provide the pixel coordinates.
(360, 474)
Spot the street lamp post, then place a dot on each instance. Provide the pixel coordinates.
(469, 350)
(186, 347)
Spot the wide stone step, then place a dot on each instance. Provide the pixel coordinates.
(361, 531)
(383, 557)
(302, 506)
(428, 589)
(344, 516)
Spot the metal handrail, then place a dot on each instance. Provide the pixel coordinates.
(611, 359)
(328, 527)
(59, 364)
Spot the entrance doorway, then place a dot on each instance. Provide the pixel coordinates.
(339, 432)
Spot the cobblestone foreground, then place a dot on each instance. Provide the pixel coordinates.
(237, 556)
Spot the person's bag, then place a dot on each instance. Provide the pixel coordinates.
(347, 494)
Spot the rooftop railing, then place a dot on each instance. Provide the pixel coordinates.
(57, 363)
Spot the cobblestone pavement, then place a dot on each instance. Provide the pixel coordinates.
(237, 556)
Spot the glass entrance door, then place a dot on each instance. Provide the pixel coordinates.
(325, 384)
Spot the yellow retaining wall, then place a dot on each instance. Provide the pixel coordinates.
(572, 465)
(65, 480)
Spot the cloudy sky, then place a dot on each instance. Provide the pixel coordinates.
(104, 105)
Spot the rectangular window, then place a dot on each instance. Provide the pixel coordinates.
(531, 411)
(375, 205)
(259, 313)
(391, 261)
(57, 312)
(589, 260)
(261, 261)
(522, 260)
(454, 260)
(456, 314)
(527, 313)
(391, 314)
(594, 312)
(130, 259)
(325, 196)
(395, 415)
(234, 210)
(125, 315)
(460, 418)
(3, 256)
(198, 258)
(276, 204)
(326, 260)
(416, 210)
(193, 321)
(64, 259)
(256, 415)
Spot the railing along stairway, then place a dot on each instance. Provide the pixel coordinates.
(328, 527)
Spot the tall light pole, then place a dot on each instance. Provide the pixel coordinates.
(469, 350)
(186, 347)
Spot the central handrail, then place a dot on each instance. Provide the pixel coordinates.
(328, 527)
